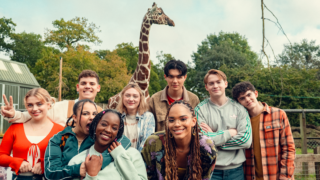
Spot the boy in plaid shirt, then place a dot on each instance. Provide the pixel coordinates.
(272, 152)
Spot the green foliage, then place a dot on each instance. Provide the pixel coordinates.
(130, 53)
(282, 81)
(112, 72)
(228, 49)
(69, 33)
(7, 27)
(303, 55)
(102, 53)
(26, 48)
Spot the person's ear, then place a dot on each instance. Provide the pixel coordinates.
(194, 121)
(226, 84)
(256, 93)
(78, 87)
(74, 117)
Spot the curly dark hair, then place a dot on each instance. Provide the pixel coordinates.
(76, 108)
(170, 154)
(175, 64)
(240, 88)
(97, 118)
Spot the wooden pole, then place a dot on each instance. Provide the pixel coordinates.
(317, 164)
(60, 79)
(303, 134)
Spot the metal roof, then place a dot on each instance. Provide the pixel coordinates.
(12, 71)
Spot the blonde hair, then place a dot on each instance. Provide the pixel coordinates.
(142, 108)
(219, 73)
(39, 93)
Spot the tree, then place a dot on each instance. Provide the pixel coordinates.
(303, 55)
(102, 53)
(70, 33)
(130, 53)
(112, 72)
(26, 48)
(7, 27)
(228, 49)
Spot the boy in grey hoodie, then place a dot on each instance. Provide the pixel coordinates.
(227, 123)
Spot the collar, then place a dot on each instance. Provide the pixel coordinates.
(266, 108)
(67, 130)
(124, 115)
(163, 96)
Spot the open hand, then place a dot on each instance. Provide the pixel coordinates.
(205, 127)
(93, 164)
(7, 110)
(37, 168)
(25, 167)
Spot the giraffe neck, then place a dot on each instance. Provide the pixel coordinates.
(142, 73)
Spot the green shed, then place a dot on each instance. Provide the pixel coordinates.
(15, 80)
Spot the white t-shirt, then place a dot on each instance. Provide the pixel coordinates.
(131, 130)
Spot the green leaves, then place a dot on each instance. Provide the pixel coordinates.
(7, 27)
(69, 33)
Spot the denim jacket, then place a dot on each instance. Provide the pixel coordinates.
(146, 126)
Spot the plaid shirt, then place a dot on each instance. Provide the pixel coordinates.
(277, 147)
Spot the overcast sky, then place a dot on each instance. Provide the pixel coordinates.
(120, 21)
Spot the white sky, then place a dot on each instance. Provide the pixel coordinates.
(120, 21)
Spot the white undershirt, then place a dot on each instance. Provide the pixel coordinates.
(131, 130)
(35, 139)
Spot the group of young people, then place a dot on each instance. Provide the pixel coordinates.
(172, 136)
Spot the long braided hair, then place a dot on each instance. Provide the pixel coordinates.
(97, 118)
(195, 169)
(75, 109)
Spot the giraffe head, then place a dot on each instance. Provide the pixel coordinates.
(157, 16)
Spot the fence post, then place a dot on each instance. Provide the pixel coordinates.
(317, 164)
(303, 128)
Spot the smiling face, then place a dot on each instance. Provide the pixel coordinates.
(131, 99)
(175, 80)
(216, 86)
(88, 88)
(37, 108)
(180, 122)
(107, 129)
(249, 99)
(85, 117)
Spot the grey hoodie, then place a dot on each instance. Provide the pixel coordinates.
(221, 118)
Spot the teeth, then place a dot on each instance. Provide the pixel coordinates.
(178, 130)
(107, 137)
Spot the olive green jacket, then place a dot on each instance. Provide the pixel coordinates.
(158, 105)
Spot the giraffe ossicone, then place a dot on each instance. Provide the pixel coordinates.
(141, 75)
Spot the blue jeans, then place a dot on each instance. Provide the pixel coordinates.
(230, 174)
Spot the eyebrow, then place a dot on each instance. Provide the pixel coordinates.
(179, 116)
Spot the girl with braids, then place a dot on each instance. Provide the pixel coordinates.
(28, 140)
(179, 152)
(138, 122)
(106, 128)
(73, 140)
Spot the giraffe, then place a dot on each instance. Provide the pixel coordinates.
(141, 75)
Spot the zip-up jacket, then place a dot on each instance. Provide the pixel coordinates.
(56, 159)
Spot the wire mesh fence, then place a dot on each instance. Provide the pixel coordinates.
(308, 167)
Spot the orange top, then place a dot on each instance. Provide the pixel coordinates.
(22, 149)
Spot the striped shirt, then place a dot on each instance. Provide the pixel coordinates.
(277, 146)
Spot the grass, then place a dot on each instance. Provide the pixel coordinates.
(301, 177)
(299, 151)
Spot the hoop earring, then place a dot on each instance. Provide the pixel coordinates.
(194, 131)
(170, 135)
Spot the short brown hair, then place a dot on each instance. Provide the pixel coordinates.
(88, 73)
(142, 108)
(215, 72)
(241, 88)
